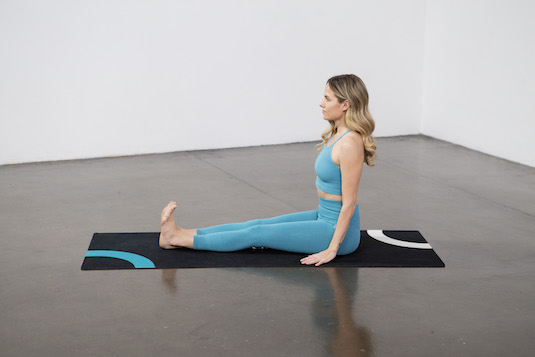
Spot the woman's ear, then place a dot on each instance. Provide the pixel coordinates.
(345, 105)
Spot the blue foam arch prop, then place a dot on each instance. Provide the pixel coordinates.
(138, 261)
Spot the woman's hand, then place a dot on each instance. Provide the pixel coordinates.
(320, 258)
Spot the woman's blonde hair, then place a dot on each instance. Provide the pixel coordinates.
(358, 118)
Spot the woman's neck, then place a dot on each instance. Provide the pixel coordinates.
(340, 125)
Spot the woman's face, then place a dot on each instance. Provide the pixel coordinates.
(331, 108)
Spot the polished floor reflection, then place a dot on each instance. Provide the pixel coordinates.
(334, 292)
(477, 211)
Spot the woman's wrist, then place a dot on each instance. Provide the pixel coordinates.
(333, 249)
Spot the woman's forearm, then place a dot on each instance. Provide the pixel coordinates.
(346, 213)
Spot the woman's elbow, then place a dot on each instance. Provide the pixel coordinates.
(350, 204)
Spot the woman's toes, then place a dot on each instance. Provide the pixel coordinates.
(167, 212)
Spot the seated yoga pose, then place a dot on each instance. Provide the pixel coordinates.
(334, 228)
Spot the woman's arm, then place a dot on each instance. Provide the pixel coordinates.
(351, 157)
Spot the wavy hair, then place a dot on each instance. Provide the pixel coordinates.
(358, 118)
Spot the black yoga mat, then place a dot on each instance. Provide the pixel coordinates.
(140, 250)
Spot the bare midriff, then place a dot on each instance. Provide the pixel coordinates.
(328, 196)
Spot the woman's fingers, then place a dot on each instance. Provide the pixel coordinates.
(318, 258)
(311, 259)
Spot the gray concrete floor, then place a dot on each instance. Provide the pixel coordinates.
(477, 211)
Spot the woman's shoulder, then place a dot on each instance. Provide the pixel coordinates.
(352, 140)
(352, 146)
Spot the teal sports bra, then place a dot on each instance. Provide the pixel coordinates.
(329, 176)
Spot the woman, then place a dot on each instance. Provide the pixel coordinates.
(332, 229)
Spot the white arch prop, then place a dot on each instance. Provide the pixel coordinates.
(380, 236)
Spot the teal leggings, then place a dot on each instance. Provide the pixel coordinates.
(302, 232)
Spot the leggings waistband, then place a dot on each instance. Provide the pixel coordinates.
(329, 210)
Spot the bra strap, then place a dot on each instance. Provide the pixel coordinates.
(340, 137)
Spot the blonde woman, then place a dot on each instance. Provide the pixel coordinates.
(334, 228)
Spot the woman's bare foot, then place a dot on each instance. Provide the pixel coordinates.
(168, 226)
(172, 236)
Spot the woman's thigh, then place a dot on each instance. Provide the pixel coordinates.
(292, 217)
(298, 236)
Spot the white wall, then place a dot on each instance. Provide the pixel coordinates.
(93, 78)
(479, 77)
